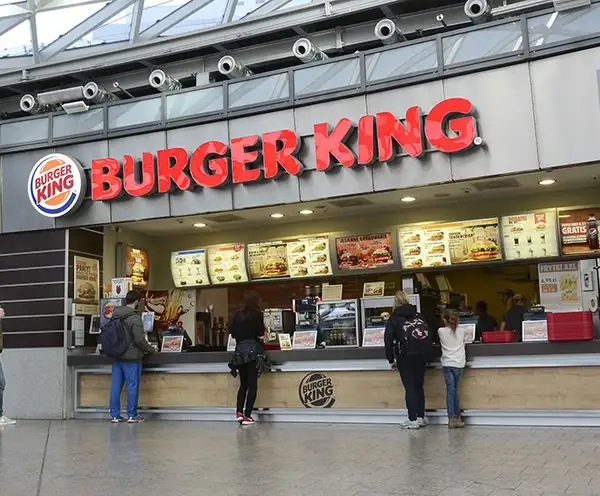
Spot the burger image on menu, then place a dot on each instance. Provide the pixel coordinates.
(415, 251)
(348, 260)
(300, 271)
(437, 249)
(483, 250)
(382, 256)
(275, 267)
(86, 291)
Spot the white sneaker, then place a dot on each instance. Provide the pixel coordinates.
(422, 422)
(410, 424)
(6, 421)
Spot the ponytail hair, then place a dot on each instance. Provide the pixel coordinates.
(451, 319)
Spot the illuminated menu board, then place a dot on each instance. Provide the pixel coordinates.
(369, 251)
(530, 235)
(435, 245)
(227, 264)
(188, 268)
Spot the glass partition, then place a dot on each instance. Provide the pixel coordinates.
(327, 77)
(483, 43)
(83, 123)
(260, 90)
(26, 131)
(135, 113)
(401, 61)
(562, 26)
(189, 103)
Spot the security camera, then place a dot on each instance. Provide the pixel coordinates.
(440, 18)
(388, 32)
(306, 51)
(478, 10)
(230, 67)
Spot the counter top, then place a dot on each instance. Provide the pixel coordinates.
(86, 357)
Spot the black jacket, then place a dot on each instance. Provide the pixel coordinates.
(247, 326)
(393, 346)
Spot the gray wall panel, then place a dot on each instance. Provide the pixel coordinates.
(17, 212)
(339, 181)
(126, 208)
(282, 190)
(306, 117)
(199, 200)
(85, 152)
(406, 171)
(502, 98)
(567, 114)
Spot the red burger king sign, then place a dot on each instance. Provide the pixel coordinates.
(56, 185)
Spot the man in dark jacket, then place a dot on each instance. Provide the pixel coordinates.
(3, 420)
(128, 369)
(408, 349)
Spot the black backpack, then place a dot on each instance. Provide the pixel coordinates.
(114, 338)
(415, 338)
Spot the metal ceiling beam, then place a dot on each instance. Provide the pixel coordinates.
(13, 9)
(173, 19)
(229, 11)
(9, 23)
(136, 20)
(42, 5)
(265, 8)
(93, 22)
(109, 56)
(34, 35)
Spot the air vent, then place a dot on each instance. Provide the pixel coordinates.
(222, 219)
(350, 202)
(496, 184)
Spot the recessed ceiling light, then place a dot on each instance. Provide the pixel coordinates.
(305, 212)
(408, 199)
(277, 216)
(546, 182)
(199, 224)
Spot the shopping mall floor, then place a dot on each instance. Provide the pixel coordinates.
(94, 458)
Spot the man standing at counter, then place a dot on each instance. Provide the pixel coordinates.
(128, 368)
(3, 420)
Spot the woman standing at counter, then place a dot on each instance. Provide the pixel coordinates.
(248, 330)
(408, 349)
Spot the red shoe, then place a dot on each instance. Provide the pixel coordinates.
(248, 421)
(239, 417)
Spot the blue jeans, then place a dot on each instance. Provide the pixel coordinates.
(452, 376)
(128, 373)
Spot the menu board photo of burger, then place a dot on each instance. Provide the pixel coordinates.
(227, 264)
(370, 251)
(188, 268)
(268, 260)
(474, 241)
(309, 257)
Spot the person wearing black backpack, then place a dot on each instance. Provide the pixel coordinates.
(408, 348)
(126, 324)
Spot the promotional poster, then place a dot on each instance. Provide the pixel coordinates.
(86, 285)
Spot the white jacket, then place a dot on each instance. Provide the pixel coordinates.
(453, 347)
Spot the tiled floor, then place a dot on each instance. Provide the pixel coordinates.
(191, 458)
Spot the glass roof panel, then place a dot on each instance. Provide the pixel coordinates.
(52, 24)
(16, 42)
(118, 28)
(8, 2)
(156, 10)
(209, 16)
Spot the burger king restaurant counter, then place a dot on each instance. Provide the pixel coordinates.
(504, 384)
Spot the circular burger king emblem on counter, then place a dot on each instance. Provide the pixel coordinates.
(56, 185)
(316, 391)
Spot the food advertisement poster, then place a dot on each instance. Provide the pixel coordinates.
(188, 268)
(266, 260)
(436, 245)
(535, 330)
(176, 307)
(227, 264)
(560, 286)
(305, 340)
(469, 330)
(373, 289)
(87, 285)
(120, 286)
(531, 235)
(172, 344)
(309, 257)
(137, 266)
(579, 231)
(369, 251)
(374, 337)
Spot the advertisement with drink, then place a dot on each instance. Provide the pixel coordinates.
(364, 252)
(449, 243)
(188, 268)
(267, 260)
(560, 286)
(530, 235)
(579, 231)
(309, 257)
(227, 264)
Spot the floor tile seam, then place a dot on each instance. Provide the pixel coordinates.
(41, 475)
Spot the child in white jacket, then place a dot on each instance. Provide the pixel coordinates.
(452, 339)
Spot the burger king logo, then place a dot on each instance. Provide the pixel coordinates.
(56, 185)
(316, 391)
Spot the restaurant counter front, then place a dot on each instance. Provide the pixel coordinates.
(504, 384)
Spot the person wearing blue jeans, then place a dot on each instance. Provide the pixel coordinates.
(127, 370)
(452, 339)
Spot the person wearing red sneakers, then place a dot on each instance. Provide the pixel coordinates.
(248, 330)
